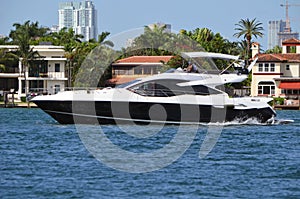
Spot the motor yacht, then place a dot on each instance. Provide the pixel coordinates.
(177, 96)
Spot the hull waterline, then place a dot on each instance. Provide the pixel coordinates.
(87, 112)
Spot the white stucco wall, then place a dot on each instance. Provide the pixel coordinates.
(293, 72)
(258, 76)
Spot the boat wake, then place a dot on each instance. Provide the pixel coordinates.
(250, 121)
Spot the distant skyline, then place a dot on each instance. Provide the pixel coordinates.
(117, 16)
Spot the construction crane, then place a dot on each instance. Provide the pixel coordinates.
(288, 23)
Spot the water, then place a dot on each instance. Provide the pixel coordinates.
(42, 159)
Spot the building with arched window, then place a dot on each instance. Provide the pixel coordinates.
(278, 74)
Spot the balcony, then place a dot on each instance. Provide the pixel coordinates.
(57, 75)
(54, 75)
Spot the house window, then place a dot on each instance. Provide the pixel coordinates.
(147, 70)
(260, 90)
(260, 67)
(295, 92)
(56, 88)
(57, 67)
(287, 67)
(266, 67)
(272, 67)
(138, 70)
(154, 70)
(266, 88)
(290, 92)
(272, 90)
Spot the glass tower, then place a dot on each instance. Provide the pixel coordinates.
(274, 28)
(81, 16)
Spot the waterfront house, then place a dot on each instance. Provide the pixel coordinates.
(46, 74)
(130, 68)
(278, 75)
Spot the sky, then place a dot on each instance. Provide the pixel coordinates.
(116, 16)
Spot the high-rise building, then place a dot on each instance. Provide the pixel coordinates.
(81, 16)
(274, 28)
(277, 33)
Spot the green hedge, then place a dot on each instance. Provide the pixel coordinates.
(278, 100)
(23, 99)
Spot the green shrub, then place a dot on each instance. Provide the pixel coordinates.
(278, 100)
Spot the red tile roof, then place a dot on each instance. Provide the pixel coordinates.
(289, 57)
(143, 59)
(291, 41)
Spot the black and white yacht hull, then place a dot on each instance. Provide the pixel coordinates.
(106, 112)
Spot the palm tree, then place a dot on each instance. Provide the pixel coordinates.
(70, 41)
(202, 35)
(7, 59)
(21, 37)
(32, 29)
(102, 39)
(152, 41)
(4, 40)
(248, 28)
(242, 46)
(276, 49)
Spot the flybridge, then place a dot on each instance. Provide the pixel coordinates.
(209, 55)
(238, 66)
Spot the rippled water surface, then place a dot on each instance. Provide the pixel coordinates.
(43, 159)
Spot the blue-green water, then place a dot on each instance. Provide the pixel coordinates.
(42, 159)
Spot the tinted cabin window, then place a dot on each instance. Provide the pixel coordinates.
(152, 89)
(204, 90)
(162, 91)
(160, 88)
(168, 88)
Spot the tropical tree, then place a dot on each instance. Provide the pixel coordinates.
(151, 42)
(242, 46)
(7, 59)
(102, 39)
(21, 37)
(248, 29)
(213, 42)
(276, 49)
(67, 38)
(95, 68)
(201, 35)
(4, 40)
(33, 31)
(83, 49)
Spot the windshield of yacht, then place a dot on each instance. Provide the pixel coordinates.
(206, 62)
(128, 83)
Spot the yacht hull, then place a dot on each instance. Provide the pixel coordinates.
(106, 112)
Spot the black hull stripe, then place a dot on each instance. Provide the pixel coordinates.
(123, 119)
